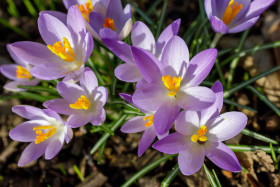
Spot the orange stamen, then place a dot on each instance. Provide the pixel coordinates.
(231, 12)
(109, 23)
(86, 9)
(172, 85)
(23, 73)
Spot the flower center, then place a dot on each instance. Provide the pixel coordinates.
(23, 73)
(109, 23)
(172, 85)
(150, 122)
(231, 11)
(86, 9)
(81, 103)
(64, 51)
(41, 136)
(199, 137)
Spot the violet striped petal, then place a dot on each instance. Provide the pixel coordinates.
(54, 147)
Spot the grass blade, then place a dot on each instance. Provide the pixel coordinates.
(258, 136)
(78, 172)
(252, 148)
(274, 158)
(216, 178)
(227, 101)
(30, 8)
(15, 29)
(142, 14)
(162, 16)
(210, 178)
(101, 151)
(52, 91)
(171, 175)
(106, 129)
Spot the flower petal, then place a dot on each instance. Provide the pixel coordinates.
(59, 105)
(107, 33)
(187, 122)
(223, 156)
(174, 57)
(191, 159)
(78, 120)
(89, 45)
(147, 139)
(244, 26)
(69, 134)
(171, 144)
(218, 25)
(32, 152)
(55, 145)
(29, 112)
(124, 32)
(13, 85)
(101, 95)
(226, 126)
(128, 73)
(59, 15)
(195, 98)
(96, 21)
(257, 7)
(166, 35)
(98, 118)
(199, 67)
(134, 125)
(16, 58)
(165, 116)
(115, 9)
(147, 64)
(89, 81)
(10, 71)
(53, 114)
(70, 92)
(48, 72)
(142, 37)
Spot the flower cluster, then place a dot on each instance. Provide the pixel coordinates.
(167, 81)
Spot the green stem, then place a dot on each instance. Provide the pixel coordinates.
(101, 151)
(252, 148)
(146, 169)
(171, 175)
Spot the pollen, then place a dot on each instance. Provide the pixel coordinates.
(231, 11)
(109, 23)
(150, 122)
(86, 9)
(81, 103)
(23, 73)
(43, 136)
(199, 137)
(172, 84)
(64, 50)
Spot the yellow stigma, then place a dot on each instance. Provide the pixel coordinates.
(41, 136)
(199, 137)
(86, 9)
(109, 23)
(64, 51)
(81, 103)
(172, 85)
(150, 122)
(231, 11)
(23, 73)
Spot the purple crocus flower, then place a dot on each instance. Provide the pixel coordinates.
(139, 124)
(116, 23)
(232, 16)
(88, 6)
(141, 37)
(45, 130)
(172, 83)
(200, 134)
(83, 103)
(19, 74)
(68, 47)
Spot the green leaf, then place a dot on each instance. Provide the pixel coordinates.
(142, 14)
(252, 148)
(216, 178)
(101, 151)
(210, 178)
(274, 156)
(78, 172)
(171, 175)
(50, 90)
(162, 16)
(258, 136)
(227, 101)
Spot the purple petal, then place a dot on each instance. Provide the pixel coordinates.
(127, 97)
(120, 49)
(34, 53)
(208, 8)
(257, 7)
(187, 122)
(244, 26)
(16, 58)
(101, 95)
(59, 105)
(52, 114)
(29, 112)
(32, 152)
(128, 73)
(114, 9)
(147, 139)
(78, 120)
(69, 134)
(191, 159)
(218, 25)
(125, 30)
(171, 144)
(74, 76)
(13, 85)
(10, 71)
(166, 35)
(96, 21)
(174, 56)
(136, 124)
(59, 15)
(142, 37)
(52, 29)
(125, 16)
(69, 3)
(226, 126)
(89, 45)
(199, 67)
(70, 92)
(108, 33)
(216, 107)
(165, 116)
(48, 72)
(98, 118)
(54, 147)
(89, 81)
(147, 64)
(241, 14)
(223, 157)
(195, 98)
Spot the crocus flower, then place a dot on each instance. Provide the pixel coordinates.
(83, 103)
(18, 73)
(232, 16)
(116, 23)
(172, 83)
(88, 6)
(45, 130)
(141, 37)
(200, 134)
(68, 47)
(139, 124)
